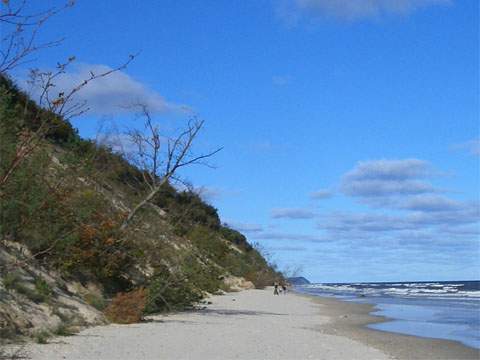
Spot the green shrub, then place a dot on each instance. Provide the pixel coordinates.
(31, 294)
(13, 281)
(187, 209)
(235, 237)
(63, 330)
(10, 280)
(42, 336)
(43, 288)
(209, 243)
(205, 278)
(262, 278)
(96, 301)
(168, 292)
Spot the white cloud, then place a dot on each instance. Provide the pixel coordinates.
(383, 178)
(280, 236)
(209, 193)
(372, 188)
(471, 146)
(363, 225)
(245, 227)
(119, 143)
(429, 219)
(112, 94)
(351, 10)
(212, 193)
(409, 210)
(461, 213)
(321, 194)
(292, 213)
(402, 169)
(287, 248)
(429, 202)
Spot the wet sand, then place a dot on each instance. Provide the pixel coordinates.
(350, 319)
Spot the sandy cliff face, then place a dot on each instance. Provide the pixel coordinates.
(34, 300)
(236, 283)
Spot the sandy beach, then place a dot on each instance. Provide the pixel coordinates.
(252, 324)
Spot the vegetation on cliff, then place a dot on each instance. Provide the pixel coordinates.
(64, 203)
(87, 233)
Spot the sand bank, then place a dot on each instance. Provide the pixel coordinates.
(251, 324)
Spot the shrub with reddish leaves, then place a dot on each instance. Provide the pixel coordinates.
(127, 308)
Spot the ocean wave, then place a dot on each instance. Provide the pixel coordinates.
(425, 289)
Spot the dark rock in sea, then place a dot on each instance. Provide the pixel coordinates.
(300, 280)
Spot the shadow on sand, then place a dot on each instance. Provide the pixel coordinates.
(234, 312)
(211, 312)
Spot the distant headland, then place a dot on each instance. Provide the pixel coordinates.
(299, 280)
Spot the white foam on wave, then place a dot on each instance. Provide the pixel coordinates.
(434, 290)
(475, 294)
(331, 287)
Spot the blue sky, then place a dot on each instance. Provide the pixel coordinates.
(350, 128)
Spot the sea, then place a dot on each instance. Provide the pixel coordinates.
(434, 309)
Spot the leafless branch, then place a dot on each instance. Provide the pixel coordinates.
(20, 29)
(61, 105)
(64, 103)
(160, 157)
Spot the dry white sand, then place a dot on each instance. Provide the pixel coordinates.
(250, 324)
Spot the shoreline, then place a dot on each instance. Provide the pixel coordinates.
(350, 319)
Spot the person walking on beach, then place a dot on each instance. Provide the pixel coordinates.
(275, 288)
(284, 288)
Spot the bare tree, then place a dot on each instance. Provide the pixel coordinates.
(290, 271)
(266, 254)
(159, 157)
(20, 29)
